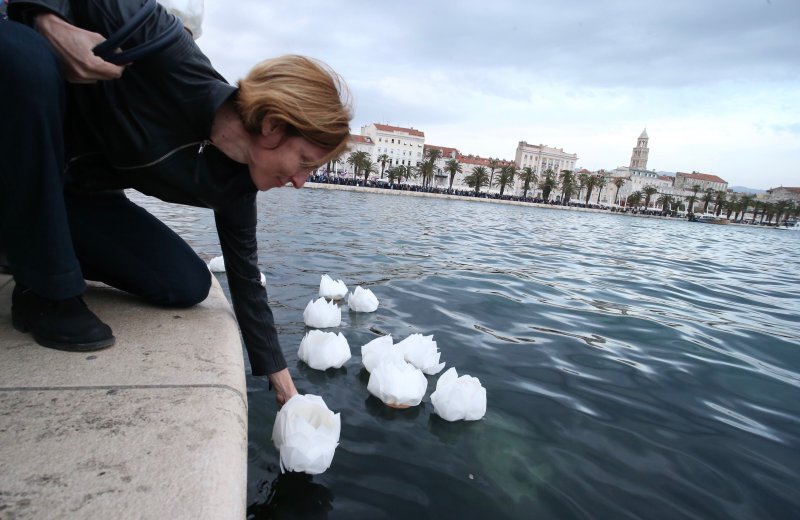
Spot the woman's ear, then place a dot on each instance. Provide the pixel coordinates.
(272, 132)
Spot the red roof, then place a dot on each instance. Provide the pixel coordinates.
(363, 139)
(481, 161)
(409, 131)
(702, 177)
(446, 151)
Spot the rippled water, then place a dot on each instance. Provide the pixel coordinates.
(634, 368)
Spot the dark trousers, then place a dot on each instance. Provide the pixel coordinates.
(52, 239)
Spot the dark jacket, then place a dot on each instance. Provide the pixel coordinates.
(150, 130)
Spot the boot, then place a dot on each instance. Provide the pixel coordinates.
(59, 324)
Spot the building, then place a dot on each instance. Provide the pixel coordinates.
(640, 152)
(686, 181)
(783, 193)
(404, 146)
(357, 143)
(542, 158)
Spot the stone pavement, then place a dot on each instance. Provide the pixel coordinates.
(154, 427)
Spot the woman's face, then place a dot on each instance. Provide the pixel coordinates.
(291, 161)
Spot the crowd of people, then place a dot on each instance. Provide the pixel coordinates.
(324, 177)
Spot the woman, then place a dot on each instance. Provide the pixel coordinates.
(167, 125)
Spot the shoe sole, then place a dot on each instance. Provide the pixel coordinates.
(60, 345)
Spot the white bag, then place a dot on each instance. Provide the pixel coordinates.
(189, 11)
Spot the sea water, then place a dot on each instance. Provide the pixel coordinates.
(634, 368)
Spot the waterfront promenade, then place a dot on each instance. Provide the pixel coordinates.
(154, 427)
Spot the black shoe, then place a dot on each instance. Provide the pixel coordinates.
(59, 324)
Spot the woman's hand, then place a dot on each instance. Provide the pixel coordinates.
(74, 46)
(283, 385)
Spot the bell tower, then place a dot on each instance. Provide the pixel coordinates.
(639, 155)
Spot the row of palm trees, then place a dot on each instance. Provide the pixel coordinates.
(568, 184)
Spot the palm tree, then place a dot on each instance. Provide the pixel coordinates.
(548, 184)
(583, 180)
(665, 201)
(493, 164)
(719, 200)
(428, 166)
(368, 168)
(732, 205)
(690, 200)
(780, 207)
(394, 174)
(634, 199)
(567, 178)
(452, 166)
(528, 176)
(478, 178)
(618, 182)
(745, 202)
(591, 182)
(357, 160)
(648, 191)
(506, 177)
(600, 182)
(383, 159)
(708, 196)
(425, 169)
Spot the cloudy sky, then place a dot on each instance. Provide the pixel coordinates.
(715, 82)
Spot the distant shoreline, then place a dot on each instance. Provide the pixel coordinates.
(384, 191)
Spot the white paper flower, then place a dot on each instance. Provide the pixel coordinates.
(333, 290)
(306, 433)
(321, 314)
(324, 350)
(373, 352)
(421, 352)
(263, 280)
(459, 398)
(362, 300)
(397, 383)
(217, 265)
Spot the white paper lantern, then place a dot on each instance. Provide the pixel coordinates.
(362, 300)
(397, 383)
(321, 314)
(217, 265)
(333, 290)
(421, 351)
(373, 352)
(324, 350)
(459, 398)
(306, 433)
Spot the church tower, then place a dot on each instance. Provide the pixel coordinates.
(639, 155)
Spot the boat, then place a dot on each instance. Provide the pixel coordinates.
(709, 218)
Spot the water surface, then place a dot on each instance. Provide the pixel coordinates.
(634, 368)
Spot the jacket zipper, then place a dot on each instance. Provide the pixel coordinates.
(203, 144)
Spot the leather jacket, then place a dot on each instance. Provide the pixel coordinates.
(150, 130)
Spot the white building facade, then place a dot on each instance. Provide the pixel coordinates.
(404, 146)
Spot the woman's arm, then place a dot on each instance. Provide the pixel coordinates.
(236, 227)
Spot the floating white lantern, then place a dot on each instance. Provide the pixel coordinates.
(306, 433)
(321, 314)
(263, 280)
(397, 383)
(332, 289)
(459, 398)
(217, 265)
(373, 352)
(324, 350)
(362, 300)
(421, 351)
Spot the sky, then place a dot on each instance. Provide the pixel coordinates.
(716, 83)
